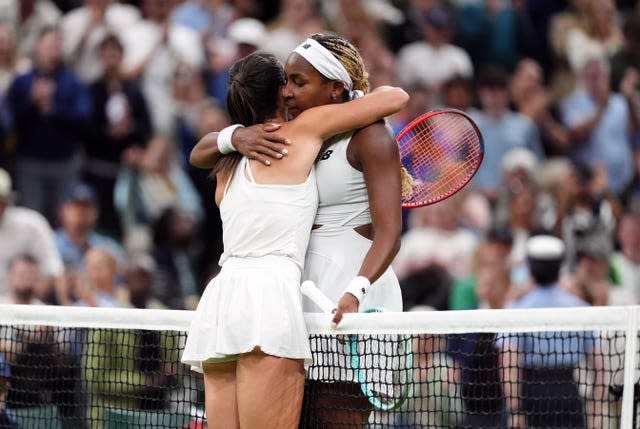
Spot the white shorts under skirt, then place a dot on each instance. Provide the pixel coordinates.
(251, 303)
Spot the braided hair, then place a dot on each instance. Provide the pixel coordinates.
(349, 57)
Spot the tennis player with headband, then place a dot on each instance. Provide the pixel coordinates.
(358, 225)
(248, 334)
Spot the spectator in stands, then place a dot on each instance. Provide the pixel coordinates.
(154, 48)
(139, 276)
(531, 98)
(495, 248)
(476, 359)
(531, 361)
(586, 211)
(429, 286)
(502, 127)
(120, 121)
(173, 252)
(597, 35)
(589, 280)
(434, 60)
(50, 109)
(29, 18)
(625, 263)
(436, 236)
(77, 234)
(41, 373)
(630, 196)
(294, 22)
(85, 27)
(244, 36)
(6, 419)
(97, 285)
(130, 370)
(457, 93)
(601, 123)
(628, 56)
(10, 64)
(495, 32)
(23, 230)
(151, 182)
(207, 17)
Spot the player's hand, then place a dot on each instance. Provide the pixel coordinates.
(261, 142)
(347, 304)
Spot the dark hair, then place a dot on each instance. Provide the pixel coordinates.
(544, 272)
(252, 96)
(254, 88)
(111, 40)
(493, 76)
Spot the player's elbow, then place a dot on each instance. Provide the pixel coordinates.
(402, 98)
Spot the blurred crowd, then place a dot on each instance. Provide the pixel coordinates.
(103, 100)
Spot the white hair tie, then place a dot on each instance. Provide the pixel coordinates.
(326, 63)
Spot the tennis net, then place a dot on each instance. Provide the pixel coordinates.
(68, 367)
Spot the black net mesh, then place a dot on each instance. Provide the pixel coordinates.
(127, 378)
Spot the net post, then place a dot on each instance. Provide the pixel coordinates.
(631, 343)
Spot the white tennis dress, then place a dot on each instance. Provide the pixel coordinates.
(336, 252)
(335, 255)
(255, 300)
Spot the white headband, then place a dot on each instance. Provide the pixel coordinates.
(327, 65)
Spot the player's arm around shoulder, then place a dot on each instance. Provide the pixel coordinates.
(331, 119)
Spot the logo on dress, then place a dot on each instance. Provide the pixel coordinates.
(306, 45)
(326, 154)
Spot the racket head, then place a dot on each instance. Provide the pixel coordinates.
(440, 152)
(400, 389)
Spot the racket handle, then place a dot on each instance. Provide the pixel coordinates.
(311, 291)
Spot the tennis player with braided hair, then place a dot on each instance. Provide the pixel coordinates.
(248, 334)
(358, 224)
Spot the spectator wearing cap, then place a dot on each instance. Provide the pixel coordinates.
(433, 60)
(23, 230)
(538, 367)
(502, 129)
(76, 235)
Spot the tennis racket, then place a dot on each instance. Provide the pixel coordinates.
(385, 381)
(440, 152)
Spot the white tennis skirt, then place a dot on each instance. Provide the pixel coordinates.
(252, 302)
(334, 257)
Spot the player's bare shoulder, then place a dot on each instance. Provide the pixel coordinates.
(375, 141)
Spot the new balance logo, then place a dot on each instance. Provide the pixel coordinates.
(326, 154)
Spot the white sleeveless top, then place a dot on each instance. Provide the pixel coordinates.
(267, 219)
(342, 188)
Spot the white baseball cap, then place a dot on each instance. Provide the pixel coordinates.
(249, 31)
(545, 248)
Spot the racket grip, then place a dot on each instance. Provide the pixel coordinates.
(311, 291)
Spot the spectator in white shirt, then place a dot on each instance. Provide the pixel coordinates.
(434, 60)
(23, 230)
(84, 28)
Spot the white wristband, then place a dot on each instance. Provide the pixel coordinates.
(358, 287)
(225, 145)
